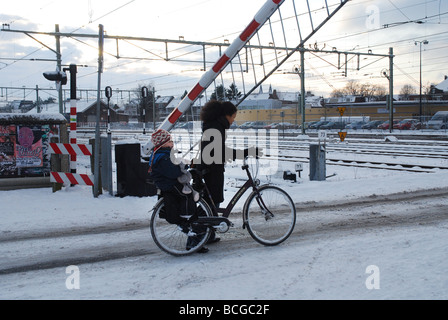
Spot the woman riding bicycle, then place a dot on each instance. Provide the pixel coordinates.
(268, 213)
(217, 117)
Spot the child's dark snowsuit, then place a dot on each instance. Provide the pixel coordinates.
(165, 175)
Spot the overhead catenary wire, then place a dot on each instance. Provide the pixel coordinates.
(273, 21)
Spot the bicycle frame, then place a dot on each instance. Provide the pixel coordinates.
(227, 210)
(256, 215)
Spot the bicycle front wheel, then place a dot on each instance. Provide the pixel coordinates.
(270, 215)
(174, 240)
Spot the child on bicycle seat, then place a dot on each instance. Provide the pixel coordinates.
(173, 180)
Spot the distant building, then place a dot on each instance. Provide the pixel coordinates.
(162, 103)
(440, 91)
(131, 110)
(443, 86)
(192, 114)
(18, 106)
(261, 100)
(288, 98)
(86, 113)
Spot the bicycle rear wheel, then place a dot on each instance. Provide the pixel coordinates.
(173, 239)
(270, 215)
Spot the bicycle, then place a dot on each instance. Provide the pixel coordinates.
(269, 214)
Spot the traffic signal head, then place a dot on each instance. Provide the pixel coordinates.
(57, 76)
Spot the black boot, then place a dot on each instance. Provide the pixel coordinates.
(213, 238)
(193, 241)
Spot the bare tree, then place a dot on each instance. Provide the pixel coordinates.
(370, 91)
(406, 91)
(352, 88)
(337, 93)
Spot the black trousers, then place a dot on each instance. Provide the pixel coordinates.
(214, 179)
(178, 204)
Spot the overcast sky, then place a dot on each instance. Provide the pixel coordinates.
(359, 26)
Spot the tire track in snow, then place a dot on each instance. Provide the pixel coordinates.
(64, 247)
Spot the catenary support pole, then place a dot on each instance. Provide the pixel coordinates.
(59, 66)
(96, 179)
(154, 109)
(302, 88)
(391, 89)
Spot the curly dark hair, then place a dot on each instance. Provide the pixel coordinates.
(214, 109)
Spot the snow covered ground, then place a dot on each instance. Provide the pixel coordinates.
(359, 251)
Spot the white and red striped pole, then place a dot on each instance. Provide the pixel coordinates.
(260, 18)
(73, 134)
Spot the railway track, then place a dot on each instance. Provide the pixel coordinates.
(411, 153)
(370, 164)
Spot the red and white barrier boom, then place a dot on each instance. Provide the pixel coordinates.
(260, 18)
(72, 150)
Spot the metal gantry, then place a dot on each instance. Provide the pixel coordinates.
(278, 30)
(284, 34)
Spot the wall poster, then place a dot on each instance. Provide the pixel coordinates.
(24, 150)
(29, 146)
(7, 150)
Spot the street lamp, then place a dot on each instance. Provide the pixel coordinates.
(420, 105)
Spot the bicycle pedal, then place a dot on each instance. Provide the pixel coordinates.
(187, 231)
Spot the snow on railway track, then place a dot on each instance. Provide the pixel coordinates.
(414, 155)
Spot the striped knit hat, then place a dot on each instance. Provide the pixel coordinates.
(158, 139)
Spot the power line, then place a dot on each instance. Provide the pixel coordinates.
(195, 51)
(105, 15)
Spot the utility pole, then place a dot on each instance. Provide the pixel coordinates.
(154, 108)
(143, 104)
(420, 104)
(59, 66)
(391, 89)
(302, 87)
(37, 99)
(96, 165)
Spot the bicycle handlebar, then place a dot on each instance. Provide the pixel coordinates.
(198, 172)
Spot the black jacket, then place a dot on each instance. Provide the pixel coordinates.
(209, 148)
(214, 176)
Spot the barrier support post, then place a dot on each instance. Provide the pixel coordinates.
(99, 187)
(55, 166)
